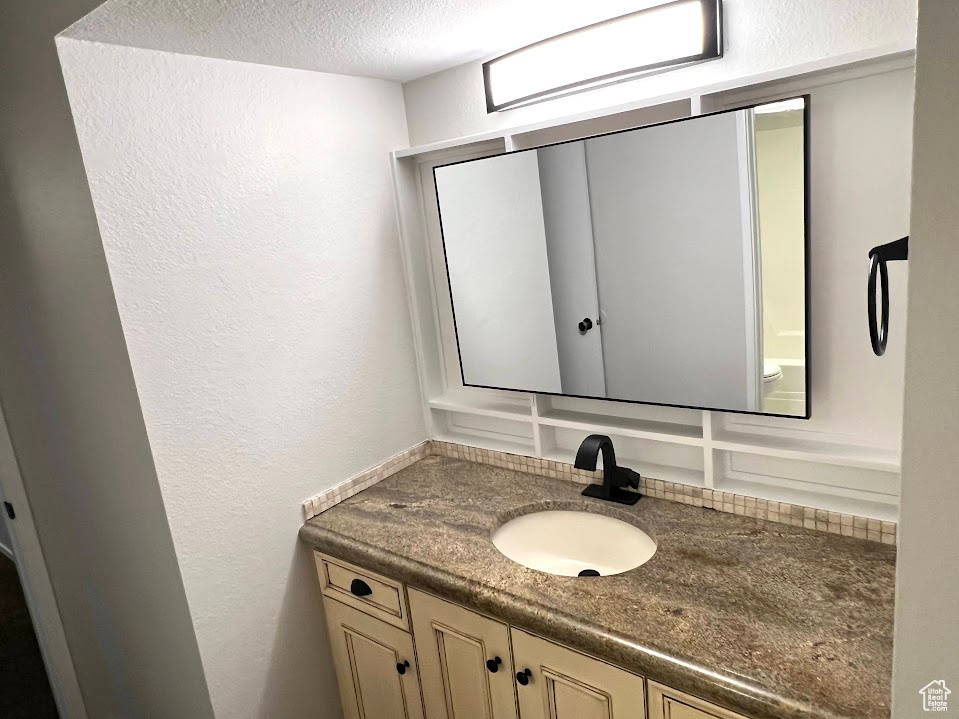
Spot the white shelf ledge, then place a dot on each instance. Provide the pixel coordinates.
(874, 458)
(483, 442)
(482, 405)
(624, 427)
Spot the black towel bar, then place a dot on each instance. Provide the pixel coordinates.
(878, 257)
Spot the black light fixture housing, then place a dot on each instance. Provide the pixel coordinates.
(712, 47)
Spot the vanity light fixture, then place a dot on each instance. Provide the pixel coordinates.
(660, 37)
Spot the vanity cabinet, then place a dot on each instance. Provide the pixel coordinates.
(375, 665)
(400, 653)
(361, 589)
(564, 684)
(465, 664)
(667, 703)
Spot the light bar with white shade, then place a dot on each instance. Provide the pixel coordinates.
(677, 33)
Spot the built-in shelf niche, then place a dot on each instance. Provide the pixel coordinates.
(658, 424)
(837, 488)
(484, 403)
(878, 459)
(487, 432)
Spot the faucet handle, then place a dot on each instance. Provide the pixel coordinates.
(628, 477)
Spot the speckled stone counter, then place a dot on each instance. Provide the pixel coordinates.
(772, 621)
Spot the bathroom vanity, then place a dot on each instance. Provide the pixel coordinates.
(731, 617)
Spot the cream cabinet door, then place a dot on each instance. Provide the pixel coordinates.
(464, 661)
(667, 703)
(371, 659)
(563, 684)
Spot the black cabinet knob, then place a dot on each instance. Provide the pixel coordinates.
(523, 677)
(493, 664)
(586, 325)
(401, 667)
(360, 588)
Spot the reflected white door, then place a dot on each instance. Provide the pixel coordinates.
(492, 222)
(572, 268)
(666, 207)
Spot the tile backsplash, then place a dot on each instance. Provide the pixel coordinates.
(357, 483)
(792, 514)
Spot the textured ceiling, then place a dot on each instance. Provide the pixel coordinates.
(391, 39)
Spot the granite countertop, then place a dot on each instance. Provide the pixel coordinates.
(773, 621)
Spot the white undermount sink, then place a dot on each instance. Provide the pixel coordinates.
(568, 542)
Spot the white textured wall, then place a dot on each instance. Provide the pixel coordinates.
(248, 221)
(71, 405)
(927, 579)
(761, 35)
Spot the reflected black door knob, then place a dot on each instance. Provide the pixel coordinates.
(493, 664)
(586, 325)
(523, 676)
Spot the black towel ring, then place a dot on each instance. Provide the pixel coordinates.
(878, 257)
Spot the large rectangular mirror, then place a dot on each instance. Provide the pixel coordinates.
(665, 265)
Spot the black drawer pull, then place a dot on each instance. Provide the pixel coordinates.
(401, 668)
(523, 677)
(359, 588)
(493, 664)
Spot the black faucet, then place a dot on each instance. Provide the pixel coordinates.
(614, 478)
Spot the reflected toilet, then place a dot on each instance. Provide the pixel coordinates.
(772, 374)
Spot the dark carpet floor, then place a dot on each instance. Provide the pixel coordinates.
(24, 688)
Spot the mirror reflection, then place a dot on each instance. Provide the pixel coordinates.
(664, 265)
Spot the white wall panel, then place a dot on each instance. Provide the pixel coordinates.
(927, 580)
(72, 409)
